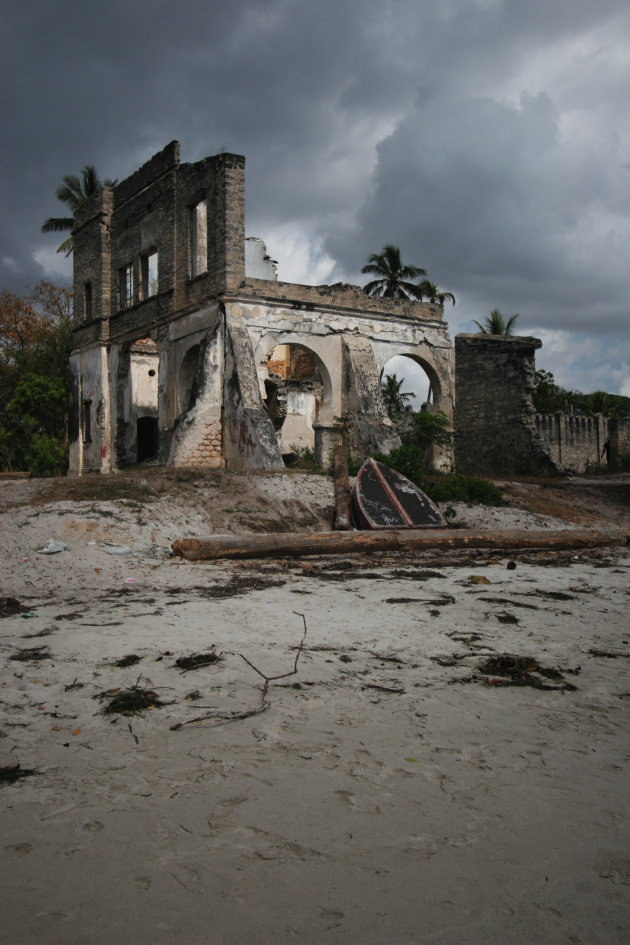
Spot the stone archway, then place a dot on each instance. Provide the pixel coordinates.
(298, 393)
(420, 379)
(186, 388)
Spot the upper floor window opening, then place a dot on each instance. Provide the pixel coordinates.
(87, 301)
(199, 238)
(149, 274)
(126, 286)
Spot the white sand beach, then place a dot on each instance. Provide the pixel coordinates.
(396, 789)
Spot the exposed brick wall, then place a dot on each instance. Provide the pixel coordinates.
(208, 451)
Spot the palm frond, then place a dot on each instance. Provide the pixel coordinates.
(57, 224)
(66, 247)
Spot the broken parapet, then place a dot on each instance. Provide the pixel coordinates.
(495, 429)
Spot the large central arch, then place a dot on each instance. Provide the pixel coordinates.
(297, 390)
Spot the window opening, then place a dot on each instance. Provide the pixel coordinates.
(87, 300)
(86, 420)
(199, 238)
(149, 272)
(126, 286)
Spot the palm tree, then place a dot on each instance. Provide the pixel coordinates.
(433, 294)
(599, 402)
(495, 323)
(74, 193)
(394, 277)
(393, 396)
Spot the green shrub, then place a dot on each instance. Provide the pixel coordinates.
(306, 459)
(441, 487)
(428, 429)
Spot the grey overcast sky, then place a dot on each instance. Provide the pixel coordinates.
(489, 139)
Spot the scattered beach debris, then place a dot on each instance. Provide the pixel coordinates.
(510, 670)
(10, 607)
(398, 692)
(32, 654)
(264, 704)
(114, 549)
(553, 595)
(607, 654)
(130, 701)
(12, 773)
(129, 660)
(52, 548)
(46, 632)
(198, 660)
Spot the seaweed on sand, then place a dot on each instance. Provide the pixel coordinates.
(197, 660)
(12, 773)
(130, 701)
(510, 670)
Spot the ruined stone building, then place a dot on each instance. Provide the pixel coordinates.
(189, 351)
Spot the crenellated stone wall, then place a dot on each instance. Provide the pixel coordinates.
(619, 433)
(574, 443)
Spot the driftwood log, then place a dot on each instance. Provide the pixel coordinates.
(294, 545)
(343, 521)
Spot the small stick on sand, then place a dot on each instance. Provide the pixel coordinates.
(264, 705)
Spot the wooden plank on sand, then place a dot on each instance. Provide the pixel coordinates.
(292, 545)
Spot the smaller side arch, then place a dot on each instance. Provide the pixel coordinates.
(186, 387)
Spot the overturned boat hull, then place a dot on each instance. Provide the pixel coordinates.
(384, 498)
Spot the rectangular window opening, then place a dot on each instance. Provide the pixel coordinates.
(87, 301)
(126, 286)
(86, 420)
(149, 274)
(199, 238)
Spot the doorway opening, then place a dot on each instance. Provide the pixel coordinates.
(147, 438)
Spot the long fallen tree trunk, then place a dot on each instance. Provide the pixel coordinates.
(292, 545)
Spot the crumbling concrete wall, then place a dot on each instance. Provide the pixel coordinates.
(495, 428)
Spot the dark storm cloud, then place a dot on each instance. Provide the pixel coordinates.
(488, 138)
